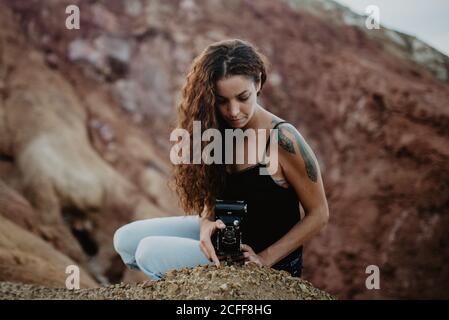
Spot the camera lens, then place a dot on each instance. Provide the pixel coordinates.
(229, 235)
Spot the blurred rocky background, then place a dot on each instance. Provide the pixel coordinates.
(85, 118)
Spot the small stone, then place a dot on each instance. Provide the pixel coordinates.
(224, 287)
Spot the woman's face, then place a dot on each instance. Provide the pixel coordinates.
(236, 99)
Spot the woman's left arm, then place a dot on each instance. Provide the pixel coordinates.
(302, 172)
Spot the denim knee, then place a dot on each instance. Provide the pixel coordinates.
(119, 240)
(123, 246)
(148, 255)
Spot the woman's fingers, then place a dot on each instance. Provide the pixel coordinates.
(214, 256)
(204, 250)
(220, 224)
(209, 251)
(249, 257)
(205, 243)
(246, 248)
(249, 254)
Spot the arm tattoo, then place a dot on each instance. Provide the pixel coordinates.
(287, 144)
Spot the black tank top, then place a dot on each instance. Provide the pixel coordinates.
(272, 211)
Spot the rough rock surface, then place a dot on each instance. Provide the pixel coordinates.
(24, 257)
(397, 43)
(249, 282)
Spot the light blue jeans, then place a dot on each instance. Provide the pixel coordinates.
(158, 245)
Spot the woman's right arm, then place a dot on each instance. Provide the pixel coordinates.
(208, 226)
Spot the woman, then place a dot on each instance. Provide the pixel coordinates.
(221, 91)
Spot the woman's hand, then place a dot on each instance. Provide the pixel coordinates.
(251, 256)
(207, 229)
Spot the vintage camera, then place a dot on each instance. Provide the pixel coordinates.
(227, 241)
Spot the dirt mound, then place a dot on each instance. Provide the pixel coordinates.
(231, 283)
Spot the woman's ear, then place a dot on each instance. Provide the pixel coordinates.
(258, 85)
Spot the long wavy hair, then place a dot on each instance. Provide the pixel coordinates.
(198, 185)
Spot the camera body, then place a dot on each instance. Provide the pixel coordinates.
(227, 241)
